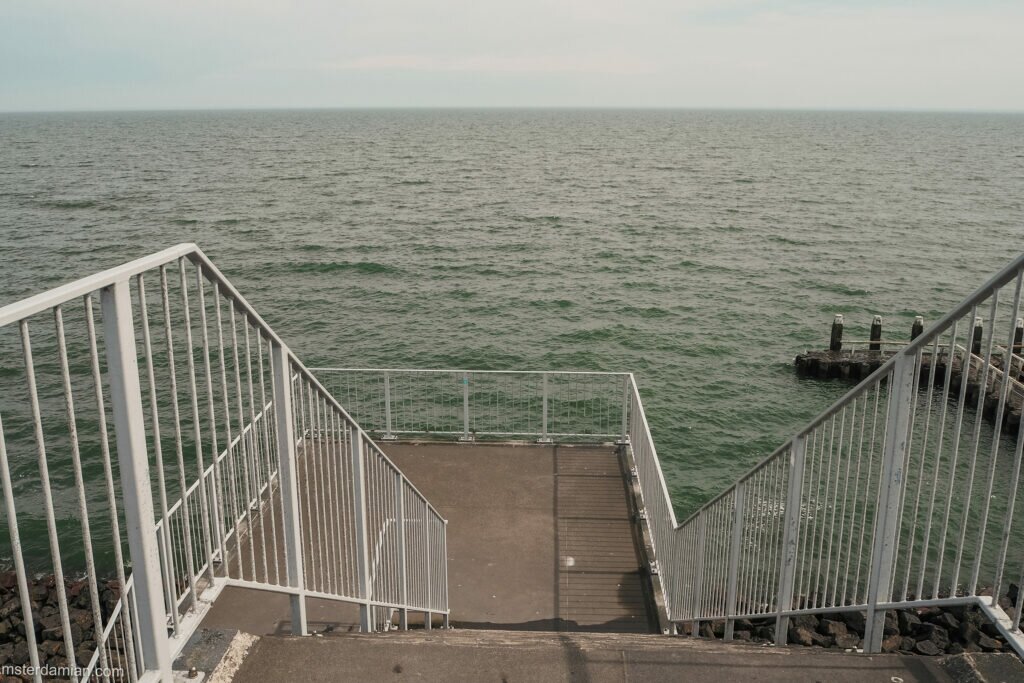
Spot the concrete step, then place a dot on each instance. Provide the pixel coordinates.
(511, 656)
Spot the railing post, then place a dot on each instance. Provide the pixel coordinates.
(624, 434)
(887, 517)
(362, 541)
(790, 539)
(465, 408)
(403, 613)
(699, 573)
(289, 485)
(734, 560)
(544, 438)
(388, 436)
(444, 585)
(133, 460)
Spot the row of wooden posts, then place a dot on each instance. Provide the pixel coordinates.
(875, 340)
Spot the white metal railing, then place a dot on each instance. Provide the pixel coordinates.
(259, 477)
(901, 494)
(475, 404)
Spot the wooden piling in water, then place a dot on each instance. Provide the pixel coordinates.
(835, 363)
(917, 328)
(876, 333)
(979, 330)
(836, 343)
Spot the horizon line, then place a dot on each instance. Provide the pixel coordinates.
(153, 110)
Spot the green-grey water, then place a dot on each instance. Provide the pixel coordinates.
(699, 249)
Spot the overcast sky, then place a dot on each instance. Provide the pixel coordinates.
(846, 54)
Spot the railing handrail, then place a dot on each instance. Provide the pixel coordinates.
(59, 295)
(474, 372)
(654, 451)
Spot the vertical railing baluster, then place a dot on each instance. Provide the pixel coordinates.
(388, 434)
(292, 531)
(132, 456)
(44, 479)
(83, 506)
(627, 380)
(19, 559)
(269, 458)
(216, 512)
(465, 408)
(544, 438)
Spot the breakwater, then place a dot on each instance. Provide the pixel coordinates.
(47, 622)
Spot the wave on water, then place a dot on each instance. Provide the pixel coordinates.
(68, 203)
(781, 239)
(837, 288)
(645, 312)
(359, 267)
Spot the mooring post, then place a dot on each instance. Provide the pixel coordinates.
(1018, 337)
(876, 334)
(917, 328)
(979, 330)
(836, 344)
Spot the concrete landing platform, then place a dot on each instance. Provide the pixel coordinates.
(539, 538)
(476, 656)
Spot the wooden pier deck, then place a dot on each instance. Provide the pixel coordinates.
(540, 537)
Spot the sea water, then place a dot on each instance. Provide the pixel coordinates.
(699, 249)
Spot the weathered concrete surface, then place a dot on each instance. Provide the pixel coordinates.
(539, 538)
(265, 613)
(984, 668)
(517, 656)
(500, 505)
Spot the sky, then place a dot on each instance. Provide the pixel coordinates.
(800, 54)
